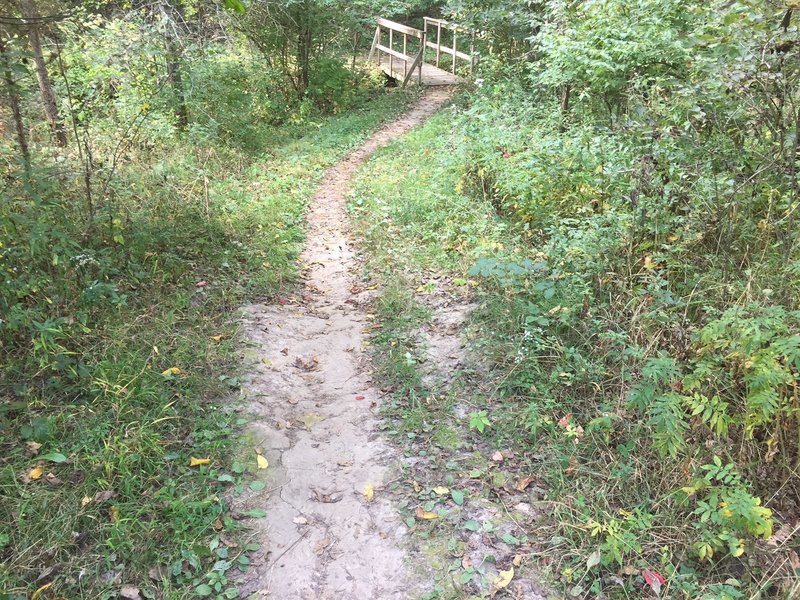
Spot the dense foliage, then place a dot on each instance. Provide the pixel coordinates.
(624, 191)
(175, 193)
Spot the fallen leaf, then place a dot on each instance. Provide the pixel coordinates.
(86, 500)
(128, 592)
(417, 486)
(441, 490)
(196, 462)
(517, 560)
(171, 371)
(300, 521)
(261, 461)
(369, 492)
(563, 422)
(322, 545)
(360, 397)
(457, 496)
(32, 448)
(654, 579)
(497, 456)
(424, 514)
(35, 473)
(310, 419)
(201, 284)
(113, 514)
(104, 495)
(593, 560)
(51, 479)
(523, 483)
(502, 580)
(217, 338)
(38, 592)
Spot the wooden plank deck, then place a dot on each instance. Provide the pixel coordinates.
(430, 75)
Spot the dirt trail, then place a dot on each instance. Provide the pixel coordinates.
(316, 419)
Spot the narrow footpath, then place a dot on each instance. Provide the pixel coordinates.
(331, 531)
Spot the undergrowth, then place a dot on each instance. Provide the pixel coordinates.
(119, 352)
(645, 356)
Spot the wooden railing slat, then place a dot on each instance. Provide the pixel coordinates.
(391, 25)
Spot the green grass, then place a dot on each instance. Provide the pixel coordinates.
(88, 383)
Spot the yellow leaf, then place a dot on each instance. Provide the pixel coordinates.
(216, 338)
(113, 514)
(503, 579)
(369, 492)
(38, 592)
(424, 514)
(196, 462)
(262, 461)
(441, 490)
(417, 487)
(35, 473)
(648, 262)
(86, 500)
(171, 371)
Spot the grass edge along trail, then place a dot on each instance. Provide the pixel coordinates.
(119, 442)
(626, 517)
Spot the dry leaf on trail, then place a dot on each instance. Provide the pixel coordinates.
(517, 560)
(196, 462)
(502, 580)
(51, 479)
(369, 492)
(217, 338)
(201, 283)
(85, 501)
(326, 497)
(310, 419)
(322, 545)
(424, 514)
(171, 371)
(113, 514)
(306, 364)
(261, 460)
(417, 486)
(523, 483)
(300, 521)
(497, 456)
(35, 473)
(441, 490)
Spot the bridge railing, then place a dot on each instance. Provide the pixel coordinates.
(453, 50)
(416, 60)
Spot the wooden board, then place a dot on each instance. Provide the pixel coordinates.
(430, 75)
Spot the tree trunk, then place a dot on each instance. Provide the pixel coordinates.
(13, 102)
(45, 86)
(174, 70)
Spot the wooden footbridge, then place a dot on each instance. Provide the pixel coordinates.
(408, 51)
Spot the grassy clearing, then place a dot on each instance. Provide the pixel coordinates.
(120, 362)
(583, 324)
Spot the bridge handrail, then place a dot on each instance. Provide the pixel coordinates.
(416, 60)
(454, 52)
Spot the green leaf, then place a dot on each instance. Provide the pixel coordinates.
(235, 5)
(203, 590)
(257, 485)
(471, 525)
(256, 513)
(458, 496)
(55, 457)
